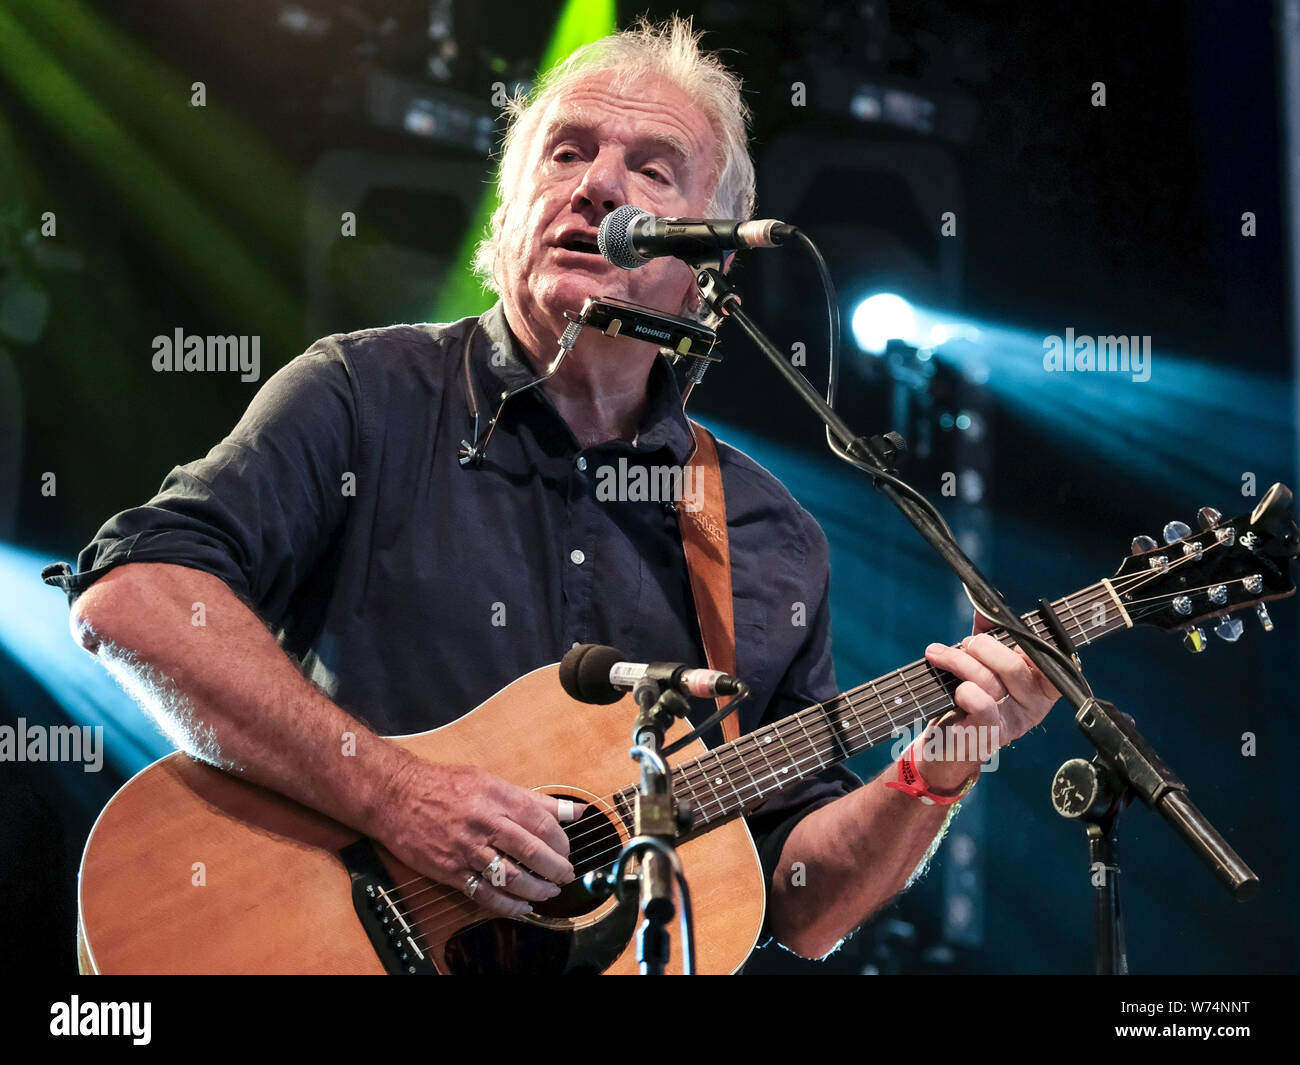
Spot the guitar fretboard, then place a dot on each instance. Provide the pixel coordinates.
(738, 775)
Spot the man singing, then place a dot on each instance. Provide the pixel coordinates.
(404, 588)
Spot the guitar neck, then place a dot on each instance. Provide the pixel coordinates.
(736, 776)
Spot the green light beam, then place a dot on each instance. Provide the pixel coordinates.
(581, 22)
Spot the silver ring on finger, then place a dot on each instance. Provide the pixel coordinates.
(490, 872)
(471, 885)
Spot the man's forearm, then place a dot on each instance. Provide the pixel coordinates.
(226, 692)
(856, 854)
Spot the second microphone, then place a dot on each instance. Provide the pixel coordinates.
(596, 673)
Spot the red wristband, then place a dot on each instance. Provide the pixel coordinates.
(910, 782)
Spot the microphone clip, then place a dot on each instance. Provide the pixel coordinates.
(658, 707)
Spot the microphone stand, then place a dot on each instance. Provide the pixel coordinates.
(1097, 792)
(656, 825)
(1118, 743)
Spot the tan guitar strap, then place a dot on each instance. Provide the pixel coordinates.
(708, 561)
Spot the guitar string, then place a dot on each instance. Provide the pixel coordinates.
(1182, 591)
(418, 915)
(880, 727)
(808, 747)
(899, 681)
(922, 672)
(1096, 594)
(871, 740)
(868, 731)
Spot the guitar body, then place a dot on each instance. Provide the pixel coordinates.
(189, 870)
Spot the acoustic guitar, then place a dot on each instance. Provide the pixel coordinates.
(189, 870)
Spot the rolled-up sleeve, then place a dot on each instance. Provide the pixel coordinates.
(259, 510)
(810, 679)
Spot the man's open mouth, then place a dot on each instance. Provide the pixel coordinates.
(579, 244)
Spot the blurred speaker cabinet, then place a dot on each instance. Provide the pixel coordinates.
(412, 213)
(874, 207)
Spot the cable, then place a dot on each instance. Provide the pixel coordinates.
(730, 708)
(1014, 626)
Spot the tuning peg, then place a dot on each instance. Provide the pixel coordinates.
(1273, 513)
(1229, 629)
(1261, 612)
(1176, 530)
(1142, 544)
(1208, 516)
(1194, 641)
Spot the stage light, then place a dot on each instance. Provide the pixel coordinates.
(34, 638)
(580, 22)
(1115, 410)
(881, 318)
(893, 107)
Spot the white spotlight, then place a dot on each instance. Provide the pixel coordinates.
(881, 318)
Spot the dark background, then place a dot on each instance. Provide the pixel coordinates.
(1122, 219)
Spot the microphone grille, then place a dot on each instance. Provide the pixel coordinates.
(614, 238)
(584, 673)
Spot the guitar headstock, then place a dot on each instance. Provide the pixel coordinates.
(1226, 567)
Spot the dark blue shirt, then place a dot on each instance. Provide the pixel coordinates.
(411, 588)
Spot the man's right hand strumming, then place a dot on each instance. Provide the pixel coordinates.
(479, 834)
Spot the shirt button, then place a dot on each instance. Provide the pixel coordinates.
(581, 463)
(577, 557)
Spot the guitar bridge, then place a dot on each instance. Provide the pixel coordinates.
(379, 909)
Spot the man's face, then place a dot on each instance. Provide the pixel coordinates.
(592, 151)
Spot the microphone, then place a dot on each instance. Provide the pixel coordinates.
(595, 673)
(629, 237)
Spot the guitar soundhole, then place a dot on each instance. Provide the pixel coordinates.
(502, 947)
(594, 843)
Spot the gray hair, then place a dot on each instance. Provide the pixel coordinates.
(670, 50)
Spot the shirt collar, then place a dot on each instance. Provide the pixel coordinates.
(500, 365)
